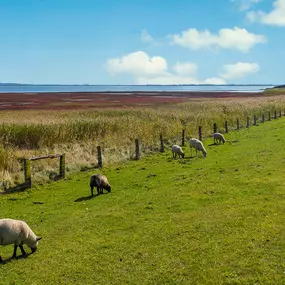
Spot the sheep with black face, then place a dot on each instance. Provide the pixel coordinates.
(99, 181)
(17, 232)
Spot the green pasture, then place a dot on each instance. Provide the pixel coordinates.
(213, 220)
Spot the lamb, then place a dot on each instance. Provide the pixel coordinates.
(101, 182)
(218, 138)
(198, 145)
(176, 149)
(17, 232)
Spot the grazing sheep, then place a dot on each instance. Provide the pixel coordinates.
(18, 233)
(198, 145)
(101, 182)
(218, 138)
(176, 149)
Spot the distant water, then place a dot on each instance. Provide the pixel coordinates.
(11, 88)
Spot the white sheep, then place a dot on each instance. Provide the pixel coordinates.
(18, 233)
(198, 145)
(218, 138)
(176, 149)
(101, 182)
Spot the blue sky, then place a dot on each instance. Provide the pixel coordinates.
(142, 41)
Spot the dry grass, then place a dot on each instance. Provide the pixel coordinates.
(77, 133)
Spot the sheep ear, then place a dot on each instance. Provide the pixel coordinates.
(38, 238)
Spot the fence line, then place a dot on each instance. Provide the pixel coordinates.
(27, 161)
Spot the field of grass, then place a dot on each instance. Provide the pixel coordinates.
(214, 220)
(78, 133)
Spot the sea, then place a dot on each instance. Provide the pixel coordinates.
(26, 88)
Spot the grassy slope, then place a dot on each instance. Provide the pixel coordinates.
(218, 220)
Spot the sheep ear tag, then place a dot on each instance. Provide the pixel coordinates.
(38, 238)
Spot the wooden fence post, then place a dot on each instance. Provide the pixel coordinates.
(27, 173)
(62, 166)
(275, 114)
(247, 122)
(100, 164)
(262, 118)
(183, 138)
(161, 144)
(214, 127)
(254, 120)
(226, 127)
(137, 148)
(200, 133)
(269, 116)
(237, 124)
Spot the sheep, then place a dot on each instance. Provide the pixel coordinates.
(176, 149)
(101, 182)
(218, 138)
(198, 145)
(17, 232)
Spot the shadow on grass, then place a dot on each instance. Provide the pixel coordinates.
(18, 188)
(8, 260)
(212, 144)
(85, 198)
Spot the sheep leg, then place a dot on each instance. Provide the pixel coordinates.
(15, 251)
(98, 190)
(92, 190)
(22, 249)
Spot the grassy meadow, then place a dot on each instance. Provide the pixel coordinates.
(214, 220)
(78, 133)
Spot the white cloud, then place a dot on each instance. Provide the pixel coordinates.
(215, 81)
(245, 4)
(238, 70)
(146, 37)
(275, 18)
(168, 79)
(235, 38)
(153, 70)
(139, 64)
(185, 68)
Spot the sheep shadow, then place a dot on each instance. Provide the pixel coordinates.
(10, 259)
(86, 198)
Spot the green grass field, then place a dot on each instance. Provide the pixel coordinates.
(214, 220)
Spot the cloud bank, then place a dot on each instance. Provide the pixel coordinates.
(154, 70)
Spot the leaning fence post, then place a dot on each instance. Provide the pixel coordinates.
(226, 127)
(262, 118)
(100, 164)
(183, 138)
(200, 133)
(247, 122)
(161, 144)
(214, 127)
(275, 114)
(237, 124)
(62, 166)
(254, 120)
(137, 148)
(269, 116)
(27, 173)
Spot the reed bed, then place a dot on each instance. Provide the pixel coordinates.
(77, 133)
